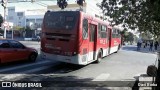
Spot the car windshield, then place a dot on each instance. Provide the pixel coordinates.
(4, 44)
(60, 20)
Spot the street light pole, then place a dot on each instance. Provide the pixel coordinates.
(12, 33)
(4, 21)
(4, 4)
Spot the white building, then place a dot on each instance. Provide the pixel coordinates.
(25, 16)
(31, 14)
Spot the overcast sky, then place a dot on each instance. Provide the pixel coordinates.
(38, 3)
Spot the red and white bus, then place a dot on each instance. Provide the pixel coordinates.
(77, 38)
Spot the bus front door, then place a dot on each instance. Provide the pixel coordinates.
(92, 41)
(109, 40)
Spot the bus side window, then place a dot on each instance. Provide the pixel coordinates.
(119, 34)
(99, 30)
(113, 33)
(85, 29)
(103, 31)
(92, 32)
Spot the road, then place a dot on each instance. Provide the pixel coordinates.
(127, 64)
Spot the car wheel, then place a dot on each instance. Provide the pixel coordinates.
(32, 57)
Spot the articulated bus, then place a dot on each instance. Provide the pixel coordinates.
(76, 37)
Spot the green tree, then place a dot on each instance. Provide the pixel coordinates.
(1, 20)
(130, 37)
(143, 15)
(28, 28)
(19, 28)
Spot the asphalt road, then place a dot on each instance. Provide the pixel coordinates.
(127, 64)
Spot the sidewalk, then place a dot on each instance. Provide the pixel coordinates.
(30, 42)
(146, 50)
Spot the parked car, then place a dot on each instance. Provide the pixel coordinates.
(36, 38)
(12, 50)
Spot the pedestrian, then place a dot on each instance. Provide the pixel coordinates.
(151, 46)
(156, 44)
(143, 44)
(138, 47)
(146, 44)
(38, 38)
(139, 43)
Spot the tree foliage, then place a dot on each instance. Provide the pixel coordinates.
(127, 36)
(143, 15)
(28, 28)
(18, 28)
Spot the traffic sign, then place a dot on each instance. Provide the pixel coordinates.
(5, 24)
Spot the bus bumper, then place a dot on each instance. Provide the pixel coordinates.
(77, 59)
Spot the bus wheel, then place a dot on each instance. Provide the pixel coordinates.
(99, 57)
(118, 48)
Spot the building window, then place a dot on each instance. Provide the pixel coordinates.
(11, 9)
(20, 14)
(20, 18)
(11, 18)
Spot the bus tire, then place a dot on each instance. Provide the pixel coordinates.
(99, 57)
(118, 48)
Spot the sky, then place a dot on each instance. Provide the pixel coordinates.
(39, 4)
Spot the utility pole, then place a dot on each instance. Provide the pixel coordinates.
(4, 4)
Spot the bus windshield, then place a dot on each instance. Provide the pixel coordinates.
(60, 20)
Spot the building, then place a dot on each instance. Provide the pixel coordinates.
(25, 13)
(89, 7)
(32, 15)
(25, 16)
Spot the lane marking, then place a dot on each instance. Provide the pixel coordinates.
(11, 76)
(14, 76)
(22, 66)
(37, 69)
(139, 74)
(102, 77)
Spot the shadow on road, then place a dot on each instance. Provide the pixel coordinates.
(61, 68)
(54, 82)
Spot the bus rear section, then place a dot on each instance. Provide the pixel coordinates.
(60, 36)
(75, 37)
